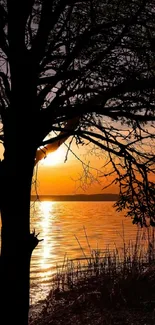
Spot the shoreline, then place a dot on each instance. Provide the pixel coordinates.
(76, 198)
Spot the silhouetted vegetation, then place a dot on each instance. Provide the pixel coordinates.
(114, 287)
(82, 70)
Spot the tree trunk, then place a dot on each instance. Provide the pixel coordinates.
(16, 240)
(20, 128)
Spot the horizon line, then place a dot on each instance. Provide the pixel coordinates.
(77, 197)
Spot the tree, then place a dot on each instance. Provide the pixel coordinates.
(79, 69)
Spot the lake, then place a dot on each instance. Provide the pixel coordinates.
(62, 225)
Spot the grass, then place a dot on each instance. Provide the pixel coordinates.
(107, 287)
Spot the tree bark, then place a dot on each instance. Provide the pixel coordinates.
(20, 148)
(16, 243)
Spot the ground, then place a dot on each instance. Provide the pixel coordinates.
(87, 308)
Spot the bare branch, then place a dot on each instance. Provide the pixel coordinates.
(49, 18)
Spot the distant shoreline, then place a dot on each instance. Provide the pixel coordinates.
(77, 197)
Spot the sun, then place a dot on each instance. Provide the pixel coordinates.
(54, 158)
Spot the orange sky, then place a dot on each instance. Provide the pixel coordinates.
(54, 177)
(57, 178)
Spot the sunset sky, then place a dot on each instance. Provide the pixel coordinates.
(56, 177)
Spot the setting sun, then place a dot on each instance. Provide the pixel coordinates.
(54, 158)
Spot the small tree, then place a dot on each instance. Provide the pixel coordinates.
(82, 69)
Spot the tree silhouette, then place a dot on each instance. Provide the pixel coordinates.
(82, 69)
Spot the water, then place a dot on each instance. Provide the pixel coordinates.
(61, 225)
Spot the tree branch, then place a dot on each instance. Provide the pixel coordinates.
(53, 80)
(3, 21)
(18, 12)
(56, 142)
(48, 19)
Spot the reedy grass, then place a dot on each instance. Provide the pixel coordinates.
(105, 287)
(122, 276)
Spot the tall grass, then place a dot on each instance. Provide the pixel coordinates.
(104, 286)
(125, 275)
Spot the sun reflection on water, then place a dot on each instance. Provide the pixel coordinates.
(46, 208)
(58, 222)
